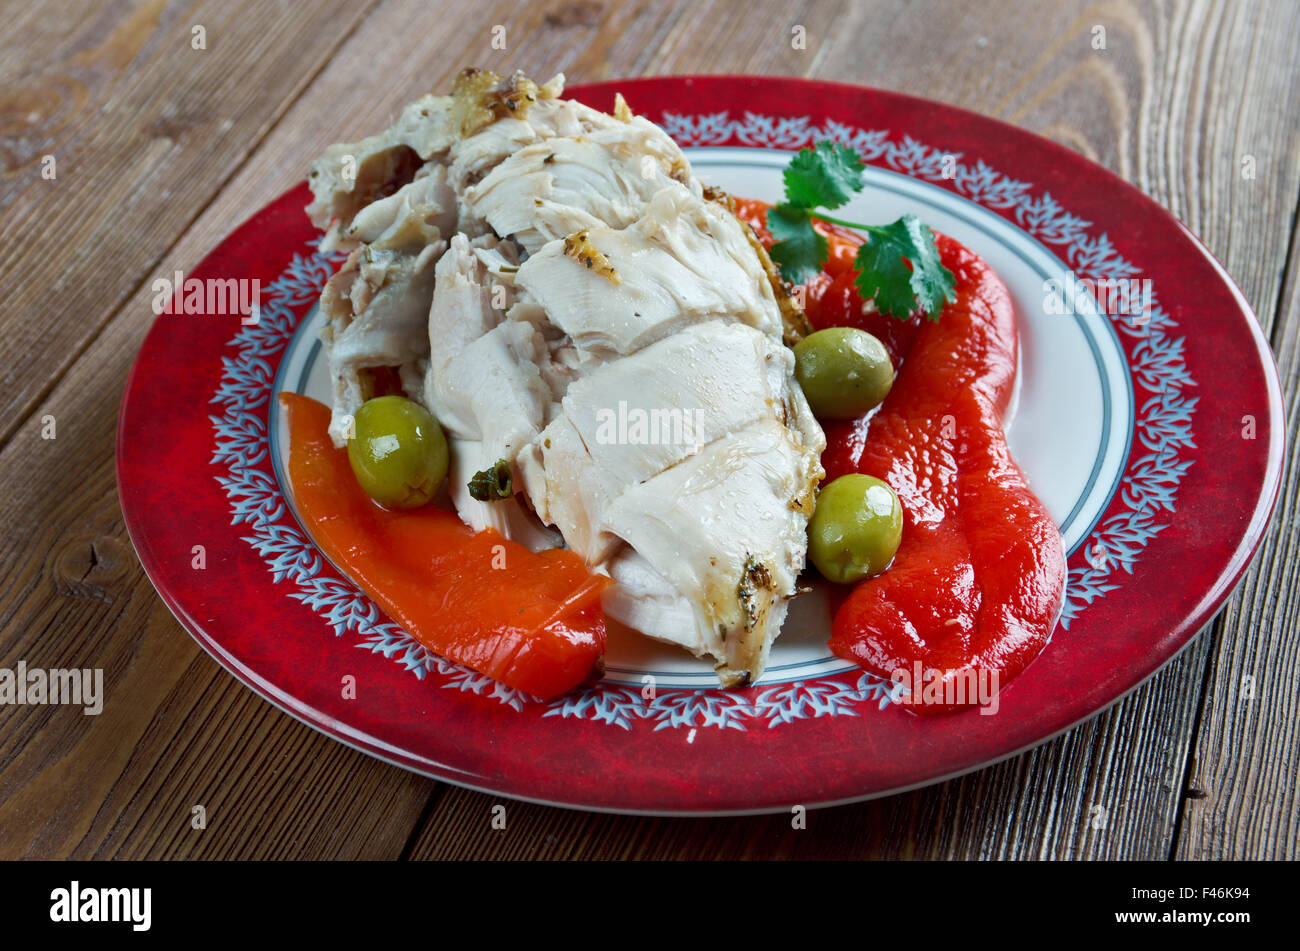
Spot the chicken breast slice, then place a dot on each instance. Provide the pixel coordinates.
(376, 311)
(686, 260)
(484, 385)
(474, 156)
(725, 532)
(348, 176)
(631, 419)
(418, 214)
(556, 187)
(397, 213)
(377, 304)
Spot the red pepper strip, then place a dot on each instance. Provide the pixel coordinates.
(978, 580)
(534, 624)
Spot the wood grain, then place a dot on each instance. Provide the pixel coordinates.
(149, 181)
(125, 782)
(175, 731)
(1247, 752)
(143, 130)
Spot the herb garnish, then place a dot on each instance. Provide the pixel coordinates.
(825, 177)
(492, 485)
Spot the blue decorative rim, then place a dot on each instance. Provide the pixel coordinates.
(1149, 486)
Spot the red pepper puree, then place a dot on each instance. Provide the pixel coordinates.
(531, 621)
(977, 584)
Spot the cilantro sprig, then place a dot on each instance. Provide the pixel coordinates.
(898, 265)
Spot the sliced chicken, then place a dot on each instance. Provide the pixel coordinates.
(631, 419)
(581, 312)
(483, 384)
(349, 176)
(377, 304)
(724, 534)
(684, 260)
(673, 321)
(559, 186)
(687, 470)
(376, 198)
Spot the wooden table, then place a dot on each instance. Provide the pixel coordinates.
(162, 148)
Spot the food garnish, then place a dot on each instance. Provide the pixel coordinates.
(979, 576)
(898, 266)
(492, 484)
(855, 529)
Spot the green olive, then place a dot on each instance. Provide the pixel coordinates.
(855, 528)
(398, 452)
(843, 371)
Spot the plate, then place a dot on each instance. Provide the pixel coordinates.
(1148, 418)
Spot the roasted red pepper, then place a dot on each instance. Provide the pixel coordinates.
(530, 621)
(978, 581)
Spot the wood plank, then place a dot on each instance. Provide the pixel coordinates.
(124, 783)
(143, 130)
(1242, 796)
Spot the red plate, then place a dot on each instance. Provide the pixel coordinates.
(1163, 496)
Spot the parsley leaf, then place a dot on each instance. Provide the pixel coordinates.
(800, 251)
(825, 176)
(884, 274)
(898, 266)
(492, 485)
